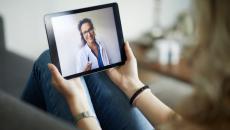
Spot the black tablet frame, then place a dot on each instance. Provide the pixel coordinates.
(52, 44)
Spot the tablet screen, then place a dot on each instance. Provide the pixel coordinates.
(85, 40)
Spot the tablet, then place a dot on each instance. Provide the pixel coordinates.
(86, 40)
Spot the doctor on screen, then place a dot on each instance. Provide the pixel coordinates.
(92, 55)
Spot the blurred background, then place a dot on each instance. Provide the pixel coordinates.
(159, 31)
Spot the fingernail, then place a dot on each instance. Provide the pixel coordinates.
(50, 67)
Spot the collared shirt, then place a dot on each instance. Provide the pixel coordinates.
(85, 55)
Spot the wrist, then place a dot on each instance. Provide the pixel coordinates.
(77, 106)
(84, 115)
(132, 86)
(140, 96)
(138, 93)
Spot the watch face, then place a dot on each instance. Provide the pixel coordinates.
(84, 115)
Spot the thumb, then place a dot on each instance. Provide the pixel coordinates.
(113, 74)
(55, 73)
(128, 51)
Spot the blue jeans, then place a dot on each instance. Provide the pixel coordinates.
(110, 104)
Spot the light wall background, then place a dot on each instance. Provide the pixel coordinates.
(25, 32)
(68, 37)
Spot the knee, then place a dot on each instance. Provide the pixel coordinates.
(41, 63)
(43, 59)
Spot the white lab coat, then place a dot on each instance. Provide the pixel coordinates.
(85, 55)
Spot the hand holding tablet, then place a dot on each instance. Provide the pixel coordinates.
(86, 40)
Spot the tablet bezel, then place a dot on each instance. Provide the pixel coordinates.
(52, 43)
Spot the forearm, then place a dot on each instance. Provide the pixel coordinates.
(74, 93)
(126, 77)
(153, 109)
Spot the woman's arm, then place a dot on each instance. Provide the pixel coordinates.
(153, 109)
(126, 77)
(76, 98)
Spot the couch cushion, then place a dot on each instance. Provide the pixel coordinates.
(17, 115)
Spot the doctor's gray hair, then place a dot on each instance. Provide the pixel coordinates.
(81, 22)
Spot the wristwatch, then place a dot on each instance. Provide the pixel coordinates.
(82, 115)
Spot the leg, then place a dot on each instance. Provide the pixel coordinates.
(32, 93)
(40, 92)
(112, 107)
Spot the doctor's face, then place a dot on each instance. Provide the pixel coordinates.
(88, 32)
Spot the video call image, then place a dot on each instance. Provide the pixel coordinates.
(86, 41)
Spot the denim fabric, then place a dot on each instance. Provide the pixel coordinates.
(110, 104)
(40, 92)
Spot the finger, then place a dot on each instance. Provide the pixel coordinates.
(55, 73)
(110, 70)
(128, 51)
(113, 74)
(86, 67)
(89, 66)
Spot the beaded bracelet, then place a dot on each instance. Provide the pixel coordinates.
(137, 93)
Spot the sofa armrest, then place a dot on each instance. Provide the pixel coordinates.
(16, 114)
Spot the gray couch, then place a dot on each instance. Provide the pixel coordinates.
(15, 114)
